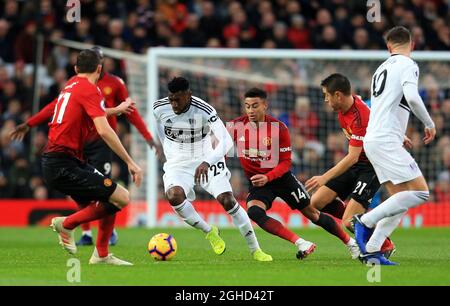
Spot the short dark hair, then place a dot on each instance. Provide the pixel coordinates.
(398, 35)
(87, 61)
(99, 51)
(255, 93)
(337, 82)
(178, 84)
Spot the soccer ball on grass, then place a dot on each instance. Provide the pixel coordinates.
(162, 246)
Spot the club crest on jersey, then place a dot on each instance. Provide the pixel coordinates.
(267, 141)
(107, 90)
(107, 182)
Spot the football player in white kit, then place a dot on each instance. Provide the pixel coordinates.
(184, 125)
(394, 96)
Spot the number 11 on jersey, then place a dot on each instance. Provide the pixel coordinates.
(59, 115)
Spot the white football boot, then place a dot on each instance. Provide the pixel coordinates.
(353, 248)
(66, 237)
(109, 260)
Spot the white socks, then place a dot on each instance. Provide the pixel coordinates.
(383, 230)
(243, 223)
(88, 233)
(394, 205)
(188, 213)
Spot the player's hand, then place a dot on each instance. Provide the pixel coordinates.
(126, 107)
(19, 132)
(407, 143)
(259, 180)
(315, 182)
(430, 133)
(201, 173)
(136, 173)
(156, 147)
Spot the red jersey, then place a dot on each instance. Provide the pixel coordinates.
(264, 148)
(354, 124)
(77, 105)
(115, 92)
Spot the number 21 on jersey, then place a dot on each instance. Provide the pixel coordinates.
(60, 108)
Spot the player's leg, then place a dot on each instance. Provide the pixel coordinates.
(325, 199)
(404, 181)
(184, 208)
(75, 179)
(99, 156)
(242, 221)
(219, 187)
(179, 188)
(295, 195)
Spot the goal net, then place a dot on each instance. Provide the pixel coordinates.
(292, 81)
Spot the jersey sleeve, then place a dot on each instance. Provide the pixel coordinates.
(122, 92)
(43, 115)
(358, 133)
(159, 125)
(285, 152)
(94, 104)
(410, 75)
(221, 133)
(135, 119)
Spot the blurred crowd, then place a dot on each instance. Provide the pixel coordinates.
(135, 25)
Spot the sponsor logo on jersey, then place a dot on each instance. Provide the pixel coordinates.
(254, 153)
(361, 138)
(185, 135)
(287, 149)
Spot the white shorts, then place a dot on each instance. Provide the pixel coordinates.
(183, 175)
(392, 162)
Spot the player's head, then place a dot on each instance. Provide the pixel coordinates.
(100, 54)
(337, 90)
(89, 62)
(399, 39)
(179, 94)
(255, 103)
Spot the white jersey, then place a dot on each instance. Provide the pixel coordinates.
(186, 138)
(390, 111)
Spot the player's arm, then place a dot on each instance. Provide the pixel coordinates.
(135, 119)
(284, 164)
(126, 107)
(349, 160)
(42, 116)
(410, 85)
(221, 149)
(112, 140)
(92, 104)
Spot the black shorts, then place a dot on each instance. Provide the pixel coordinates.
(99, 156)
(359, 183)
(77, 179)
(287, 187)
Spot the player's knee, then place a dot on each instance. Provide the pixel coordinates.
(348, 225)
(175, 196)
(311, 213)
(227, 200)
(123, 199)
(120, 197)
(257, 214)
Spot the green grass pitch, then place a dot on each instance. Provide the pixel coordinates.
(31, 256)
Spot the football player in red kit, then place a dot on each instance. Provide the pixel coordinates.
(96, 151)
(353, 176)
(78, 112)
(264, 149)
